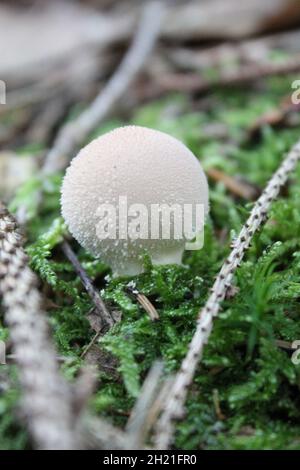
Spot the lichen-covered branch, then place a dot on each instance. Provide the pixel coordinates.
(177, 396)
(46, 397)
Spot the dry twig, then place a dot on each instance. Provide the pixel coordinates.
(175, 405)
(216, 402)
(100, 307)
(194, 83)
(100, 434)
(60, 359)
(46, 403)
(138, 424)
(236, 187)
(284, 344)
(90, 344)
(252, 51)
(72, 134)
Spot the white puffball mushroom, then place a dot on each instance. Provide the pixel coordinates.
(137, 165)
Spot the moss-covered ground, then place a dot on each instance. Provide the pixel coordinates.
(243, 371)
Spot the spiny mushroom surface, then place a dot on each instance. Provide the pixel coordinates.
(140, 166)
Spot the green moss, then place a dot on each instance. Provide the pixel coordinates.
(257, 384)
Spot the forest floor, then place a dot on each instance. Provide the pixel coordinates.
(245, 394)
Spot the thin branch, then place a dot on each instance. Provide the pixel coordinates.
(97, 434)
(160, 402)
(177, 396)
(216, 402)
(61, 359)
(74, 133)
(193, 82)
(83, 389)
(47, 401)
(137, 424)
(284, 344)
(100, 306)
(33, 94)
(236, 187)
(91, 343)
(254, 50)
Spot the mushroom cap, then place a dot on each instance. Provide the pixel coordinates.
(147, 167)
